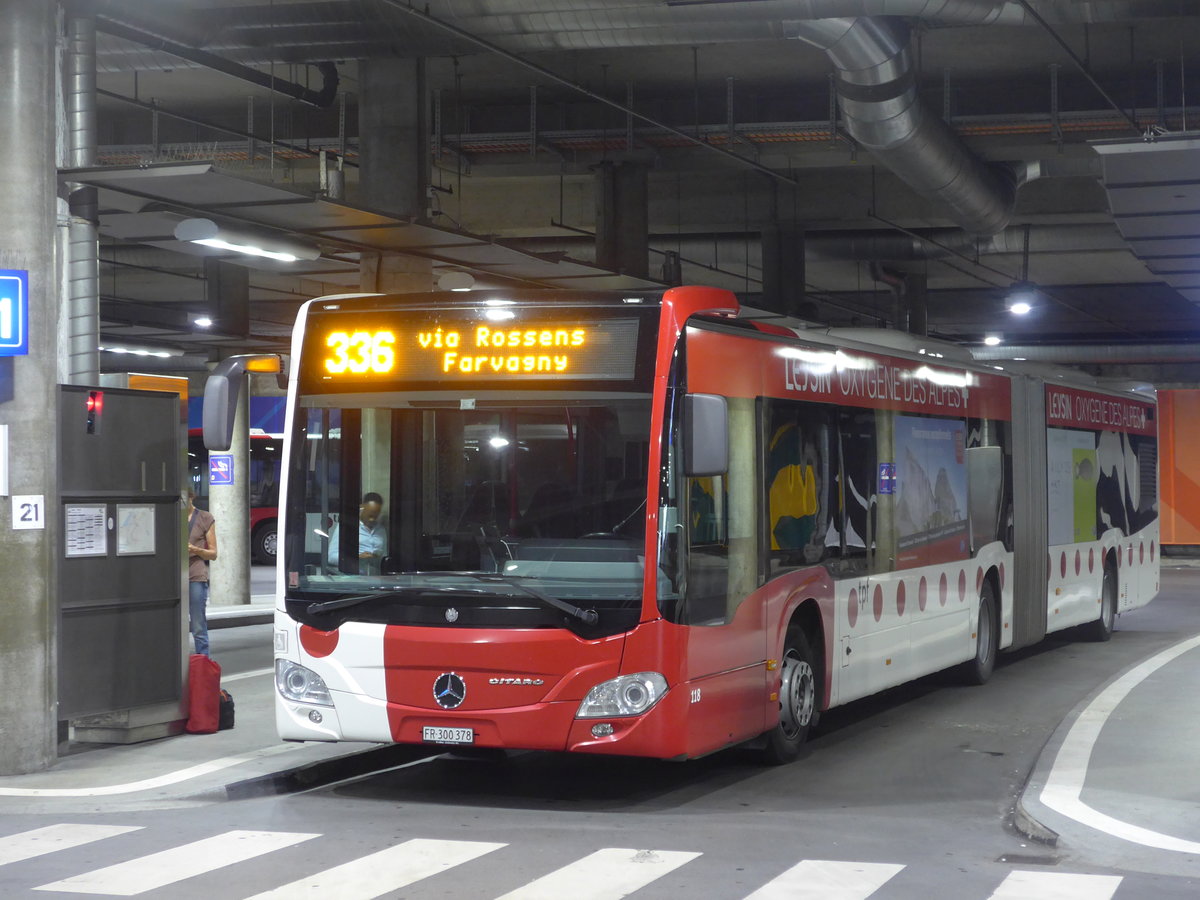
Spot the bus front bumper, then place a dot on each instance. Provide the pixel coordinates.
(661, 732)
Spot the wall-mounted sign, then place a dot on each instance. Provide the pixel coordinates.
(86, 534)
(28, 511)
(14, 312)
(220, 468)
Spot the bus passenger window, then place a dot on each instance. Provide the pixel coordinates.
(800, 492)
(856, 488)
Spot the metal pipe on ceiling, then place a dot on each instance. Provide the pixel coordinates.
(252, 33)
(322, 98)
(1091, 354)
(83, 229)
(877, 87)
(880, 246)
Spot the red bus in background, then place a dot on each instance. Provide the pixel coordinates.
(661, 524)
(266, 458)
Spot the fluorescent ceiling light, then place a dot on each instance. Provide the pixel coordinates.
(456, 280)
(992, 341)
(208, 233)
(133, 350)
(1021, 296)
(202, 322)
(248, 249)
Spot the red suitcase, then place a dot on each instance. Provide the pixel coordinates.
(204, 694)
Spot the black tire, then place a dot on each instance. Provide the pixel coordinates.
(799, 698)
(979, 668)
(265, 544)
(1101, 629)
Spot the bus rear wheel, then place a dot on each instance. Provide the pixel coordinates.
(1101, 629)
(799, 690)
(978, 669)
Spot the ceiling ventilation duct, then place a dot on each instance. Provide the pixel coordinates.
(877, 87)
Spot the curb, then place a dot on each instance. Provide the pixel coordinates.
(328, 771)
(1030, 827)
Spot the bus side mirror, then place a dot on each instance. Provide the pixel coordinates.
(705, 435)
(222, 391)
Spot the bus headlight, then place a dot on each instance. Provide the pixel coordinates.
(628, 695)
(295, 682)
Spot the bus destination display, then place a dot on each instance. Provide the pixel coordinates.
(474, 350)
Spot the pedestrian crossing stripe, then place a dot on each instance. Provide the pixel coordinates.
(380, 873)
(157, 870)
(1021, 885)
(40, 841)
(607, 874)
(823, 879)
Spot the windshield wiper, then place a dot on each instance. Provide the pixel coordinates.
(321, 606)
(586, 616)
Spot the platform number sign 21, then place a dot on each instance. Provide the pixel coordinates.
(28, 511)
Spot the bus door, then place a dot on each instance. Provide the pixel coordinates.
(725, 648)
(874, 645)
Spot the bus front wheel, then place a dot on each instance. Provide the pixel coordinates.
(265, 544)
(798, 698)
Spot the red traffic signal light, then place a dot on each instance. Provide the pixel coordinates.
(95, 406)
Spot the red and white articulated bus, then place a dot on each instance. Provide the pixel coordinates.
(661, 525)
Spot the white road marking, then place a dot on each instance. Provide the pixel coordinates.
(147, 784)
(253, 673)
(147, 873)
(1023, 885)
(823, 879)
(40, 841)
(1065, 782)
(379, 873)
(608, 874)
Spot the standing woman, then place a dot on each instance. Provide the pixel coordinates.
(202, 549)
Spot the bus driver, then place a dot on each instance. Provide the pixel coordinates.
(372, 537)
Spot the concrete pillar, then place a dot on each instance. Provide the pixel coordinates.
(227, 296)
(28, 702)
(394, 162)
(910, 298)
(622, 229)
(783, 269)
(394, 274)
(229, 574)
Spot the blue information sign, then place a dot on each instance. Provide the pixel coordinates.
(220, 468)
(14, 312)
(887, 478)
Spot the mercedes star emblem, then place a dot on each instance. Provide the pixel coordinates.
(449, 690)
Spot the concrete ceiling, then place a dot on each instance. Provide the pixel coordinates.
(738, 124)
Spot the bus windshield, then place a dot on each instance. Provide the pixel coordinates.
(429, 513)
